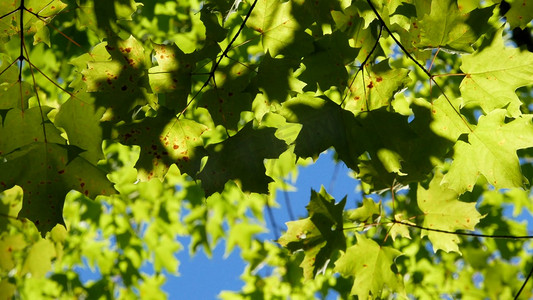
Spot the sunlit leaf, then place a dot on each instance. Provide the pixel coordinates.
(443, 211)
(370, 264)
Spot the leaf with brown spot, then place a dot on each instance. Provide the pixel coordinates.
(378, 88)
(443, 210)
(164, 141)
(55, 171)
(172, 75)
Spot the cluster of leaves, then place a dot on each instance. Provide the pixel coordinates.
(139, 122)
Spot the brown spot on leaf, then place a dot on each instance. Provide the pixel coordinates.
(370, 85)
(379, 79)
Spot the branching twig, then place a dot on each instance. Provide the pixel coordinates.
(418, 64)
(224, 54)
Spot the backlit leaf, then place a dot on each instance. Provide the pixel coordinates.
(443, 211)
(164, 141)
(56, 171)
(319, 236)
(281, 30)
(230, 159)
(491, 151)
(494, 73)
(370, 264)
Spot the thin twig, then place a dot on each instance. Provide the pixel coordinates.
(363, 64)
(418, 64)
(524, 284)
(495, 236)
(224, 54)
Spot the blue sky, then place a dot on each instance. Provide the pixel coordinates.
(203, 278)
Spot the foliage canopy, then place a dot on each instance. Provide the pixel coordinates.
(131, 123)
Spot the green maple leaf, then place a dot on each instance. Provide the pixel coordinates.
(101, 16)
(370, 264)
(228, 98)
(319, 236)
(362, 35)
(275, 77)
(399, 229)
(491, 151)
(9, 246)
(20, 128)
(520, 13)
(494, 73)
(241, 158)
(241, 234)
(376, 88)
(444, 25)
(443, 211)
(281, 28)
(445, 120)
(384, 135)
(10, 204)
(39, 259)
(367, 211)
(172, 75)
(80, 119)
(13, 94)
(10, 24)
(325, 124)
(120, 82)
(325, 67)
(164, 140)
(56, 170)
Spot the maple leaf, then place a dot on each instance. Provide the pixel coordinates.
(494, 73)
(325, 67)
(275, 77)
(491, 151)
(120, 83)
(443, 25)
(241, 234)
(367, 211)
(376, 88)
(164, 140)
(443, 211)
(281, 28)
(80, 118)
(520, 13)
(399, 227)
(370, 264)
(56, 170)
(325, 124)
(228, 98)
(20, 128)
(355, 27)
(241, 158)
(319, 235)
(172, 75)
(445, 120)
